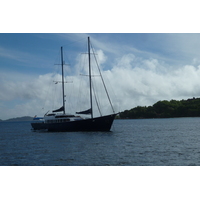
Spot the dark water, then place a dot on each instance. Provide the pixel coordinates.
(148, 142)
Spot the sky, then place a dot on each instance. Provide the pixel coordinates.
(139, 69)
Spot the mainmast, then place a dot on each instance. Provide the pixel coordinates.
(63, 93)
(90, 79)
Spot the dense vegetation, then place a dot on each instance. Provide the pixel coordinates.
(165, 109)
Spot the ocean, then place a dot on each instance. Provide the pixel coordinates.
(138, 142)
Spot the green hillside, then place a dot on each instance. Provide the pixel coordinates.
(165, 109)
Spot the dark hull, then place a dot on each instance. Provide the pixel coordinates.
(96, 124)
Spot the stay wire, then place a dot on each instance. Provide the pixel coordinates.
(96, 97)
(50, 85)
(103, 81)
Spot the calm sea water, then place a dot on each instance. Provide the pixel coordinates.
(145, 142)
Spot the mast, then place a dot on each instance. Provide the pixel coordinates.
(90, 79)
(63, 93)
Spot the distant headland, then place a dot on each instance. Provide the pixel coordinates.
(25, 118)
(164, 109)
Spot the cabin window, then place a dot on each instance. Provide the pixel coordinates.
(57, 121)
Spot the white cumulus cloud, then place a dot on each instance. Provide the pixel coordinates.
(131, 81)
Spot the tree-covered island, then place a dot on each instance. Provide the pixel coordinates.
(165, 109)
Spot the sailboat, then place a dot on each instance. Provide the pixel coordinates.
(72, 123)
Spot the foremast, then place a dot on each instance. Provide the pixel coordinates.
(63, 87)
(90, 80)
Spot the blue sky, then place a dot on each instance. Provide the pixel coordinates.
(34, 53)
(140, 68)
